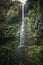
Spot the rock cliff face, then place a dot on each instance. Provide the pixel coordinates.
(10, 17)
(34, 22)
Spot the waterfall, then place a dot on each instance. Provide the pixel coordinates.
(22, 29)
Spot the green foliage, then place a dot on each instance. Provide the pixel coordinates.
(34, 53)
(8, 30)
(5, 55)
(35, 23)
(9, 24)
(41, 55)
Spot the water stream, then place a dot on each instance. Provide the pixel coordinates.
(22, 29)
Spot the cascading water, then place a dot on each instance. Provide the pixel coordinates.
(22, 29)
(22, 36)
